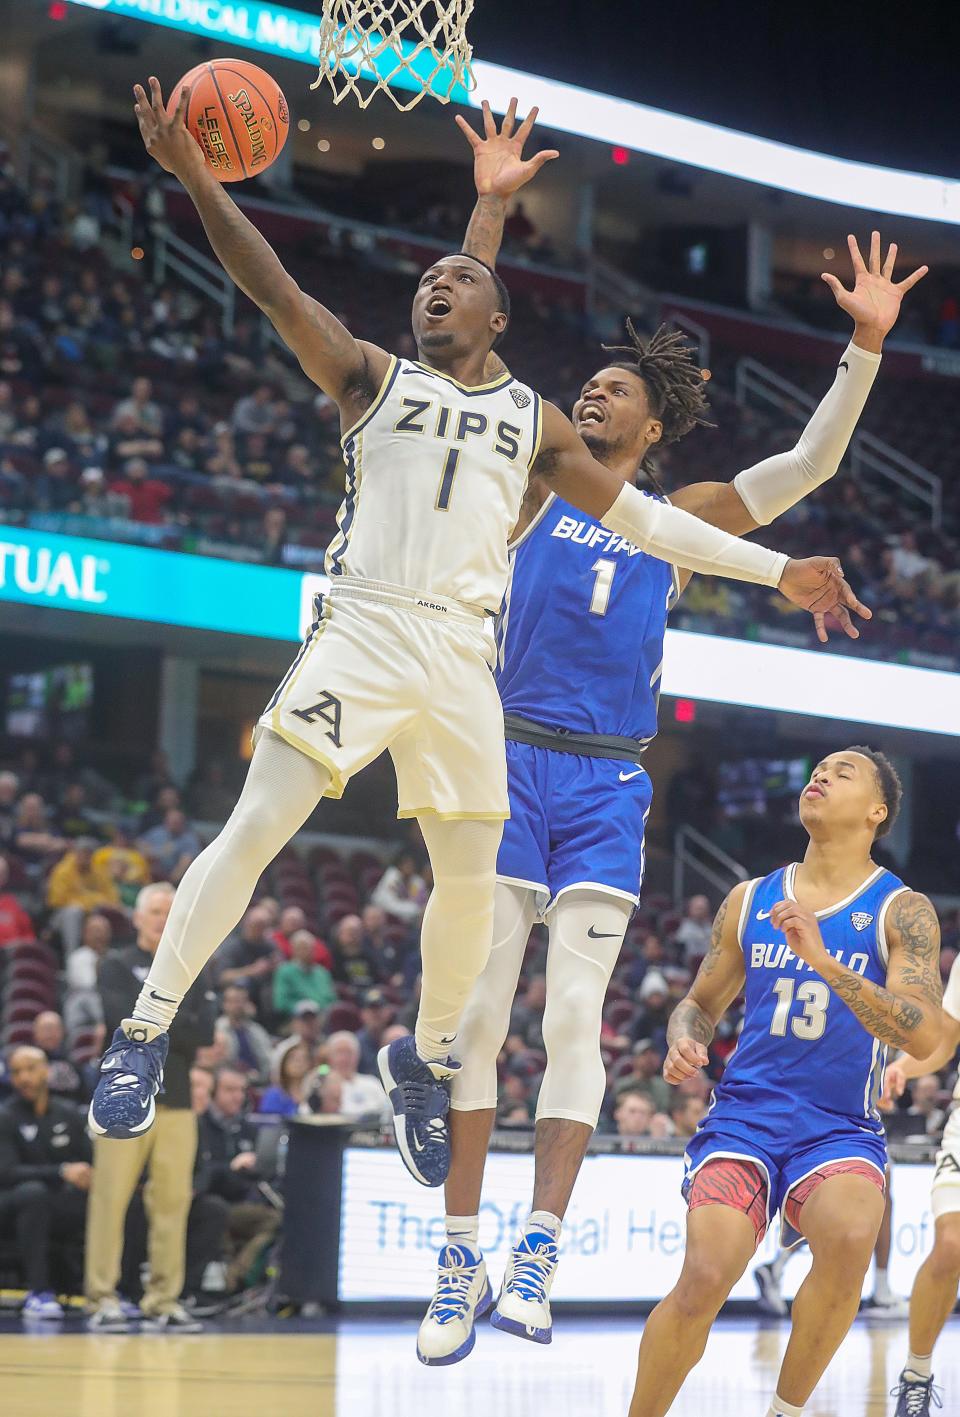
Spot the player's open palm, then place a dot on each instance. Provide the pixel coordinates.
(499, 167)
(875, 298)
(817, 584)
(164, 134)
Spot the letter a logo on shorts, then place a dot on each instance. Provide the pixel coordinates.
(328, 709)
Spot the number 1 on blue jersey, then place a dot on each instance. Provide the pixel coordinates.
(601, 587)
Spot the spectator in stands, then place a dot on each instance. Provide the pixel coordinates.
(634, 1114)
(645, 1077)
(248, 955)
(227, 1172)
(514, 1108)
(167, 797)
(33, 839)
(686, 1114)
(76, 886)
(145, 496)
(284, 1096)
(9, 792)
(306, 1027)
(907, 560)
(654, 1009)
(64, 1077)
(388, 952)
(254, 413)
(44, 1177)
(15, 923)
(401, 890)
(82, 1007)
(292, 919)
(123, 863)
(376, 1014)
(212, 797)
(518, 226)
(168, 1149)
(140, 406)
(201, 1089)
(129, 441)
(925, 1113)
(301, 978)
(354, 964)
(248, 1047)
(361, 1096)
(693, 936)
(275, 536)
(171, 846)
(73, 819)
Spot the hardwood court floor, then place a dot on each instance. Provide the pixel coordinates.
(368, 1369)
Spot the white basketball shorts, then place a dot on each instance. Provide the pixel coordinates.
(383, 667)
(945, 1195)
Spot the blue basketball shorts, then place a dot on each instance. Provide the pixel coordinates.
(788, 1140)
(574, 822)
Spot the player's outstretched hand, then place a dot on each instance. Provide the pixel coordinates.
(817, 584)
(164, 135)
(874, 301)
(685, 1059)
(801, 929)
(499, 167)
(894, 1086)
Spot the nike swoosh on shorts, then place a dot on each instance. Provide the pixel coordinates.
(626, 776)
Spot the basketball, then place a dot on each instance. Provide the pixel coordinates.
(238, 115)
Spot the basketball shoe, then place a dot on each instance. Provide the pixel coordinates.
(420, 1099)
(462, 1295)
(131, 1075)
(915, 1396)
(523, 1307)
(770, 1299)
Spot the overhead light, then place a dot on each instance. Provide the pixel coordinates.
(378, 143)
(304, 125)
(323, 144)
(621, 156)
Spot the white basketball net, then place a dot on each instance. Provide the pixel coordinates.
(365, 44)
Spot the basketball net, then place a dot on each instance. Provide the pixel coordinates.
(365, 45)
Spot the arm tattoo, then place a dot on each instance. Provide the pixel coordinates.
(485, 231)
(886, 1015)
(712, 957)
(688, 1020)
(914, 920)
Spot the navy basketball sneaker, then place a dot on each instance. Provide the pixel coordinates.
(131, 1075)
(463, 1295)
(915, 1396)
(420, 1100)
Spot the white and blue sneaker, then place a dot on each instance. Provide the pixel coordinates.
(915, 1396)
(420, 1100)
(463, 1295)
(131, 1075)
(523, 1307)
(42, 1306)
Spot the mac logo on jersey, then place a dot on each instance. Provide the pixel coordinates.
(860, 919)
(520, 397)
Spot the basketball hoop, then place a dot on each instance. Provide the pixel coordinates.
(367, 45)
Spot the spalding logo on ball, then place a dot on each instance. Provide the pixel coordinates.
(238, 115)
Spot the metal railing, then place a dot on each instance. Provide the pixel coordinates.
(695, 854)
(607, 283)
(171, 253)
(697, 332)
(869, 455)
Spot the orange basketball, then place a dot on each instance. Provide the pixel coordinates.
(238, 115)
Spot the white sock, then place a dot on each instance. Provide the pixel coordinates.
(881, 1287)
(919, 1367)
(142, 1030)
(432, 1046)
(155, 1008)
(463, 1230)
(544, 1220)
(779, 1408)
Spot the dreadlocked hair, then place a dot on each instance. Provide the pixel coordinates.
(676, 385)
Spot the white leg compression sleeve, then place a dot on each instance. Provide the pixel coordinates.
(282, 788)
(586, 935)
(486, 1018)
(457, 928)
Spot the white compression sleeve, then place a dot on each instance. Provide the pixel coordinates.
(773, 486)
(675, 536)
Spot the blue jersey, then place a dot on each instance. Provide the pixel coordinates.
(581, 631)
(801, 1045)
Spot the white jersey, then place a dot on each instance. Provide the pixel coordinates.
(951, 1005)
(436, 473)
